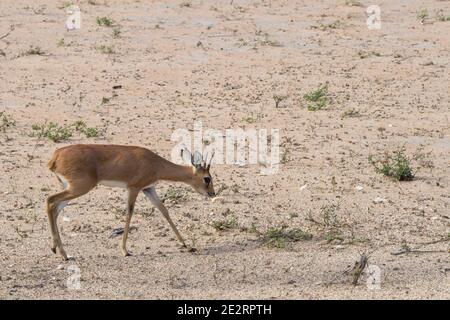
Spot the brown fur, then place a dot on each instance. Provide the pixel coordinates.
(85, 165)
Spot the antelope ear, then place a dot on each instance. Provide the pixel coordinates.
(186, 155)
(197, 159)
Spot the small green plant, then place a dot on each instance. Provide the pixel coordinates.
(422, 14)
(186, 4)
(363, 54)
(242, 42)
(318, 98)
(61, 43)
(106, 49)
(6, 121)
(277, 237)
(52, 131)
(353, 3)
(65, 5)
(175, 195)
(395, 165)
(334, 25)
(104, 21)
(350, 113)
(57, 133)
(105, 100)
(225, 224)
(278, 99)
(116, 32)
(334, 236)
(235, 188)
(329, 216)
(89, 132)
(441, 17)
(253, 118)
(286, 155)
(268, 41)
(34, 51)
(405, 246)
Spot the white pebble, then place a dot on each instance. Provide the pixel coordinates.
(379, 200)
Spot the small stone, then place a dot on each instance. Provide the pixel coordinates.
(379, 200)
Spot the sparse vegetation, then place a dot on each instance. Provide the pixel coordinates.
(105, 100)
(334, 228)
(396, 165)
(65, 5)
(186, 4)
(89, 132)
(57, 133)
(106, 49)
(116, 32)
(268, 41)
(363, 54)
(33, 50)
(52, 131)
(422, 14)
(350, 113)
(285, 157)
(60, 43)
(353, 3)
(6, 121)
(104, 21)
(318, 98)
(278, 99)
(253, 118)
(329, 216)
(441, 17)
(174, 195)
(225, 224)
(277, 237)
(326, 26)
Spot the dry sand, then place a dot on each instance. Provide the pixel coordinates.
(222, 63)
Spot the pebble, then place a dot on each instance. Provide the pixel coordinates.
(379, 200)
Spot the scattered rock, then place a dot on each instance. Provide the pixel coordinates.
(379, 200)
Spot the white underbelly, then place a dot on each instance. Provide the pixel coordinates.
(113, 183)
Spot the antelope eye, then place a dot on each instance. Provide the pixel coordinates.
(207, 180)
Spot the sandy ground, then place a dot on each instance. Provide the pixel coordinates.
(222, 63)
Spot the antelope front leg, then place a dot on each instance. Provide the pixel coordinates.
(151, 194)
(132, 195)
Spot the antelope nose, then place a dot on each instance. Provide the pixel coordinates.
(211, 194)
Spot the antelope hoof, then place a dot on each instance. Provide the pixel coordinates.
(53, 250)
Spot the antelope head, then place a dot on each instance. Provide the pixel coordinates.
(201, 180)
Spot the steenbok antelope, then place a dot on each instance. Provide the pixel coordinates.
(82, 167)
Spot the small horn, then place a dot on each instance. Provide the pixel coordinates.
(206, 160)
(210, 160)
